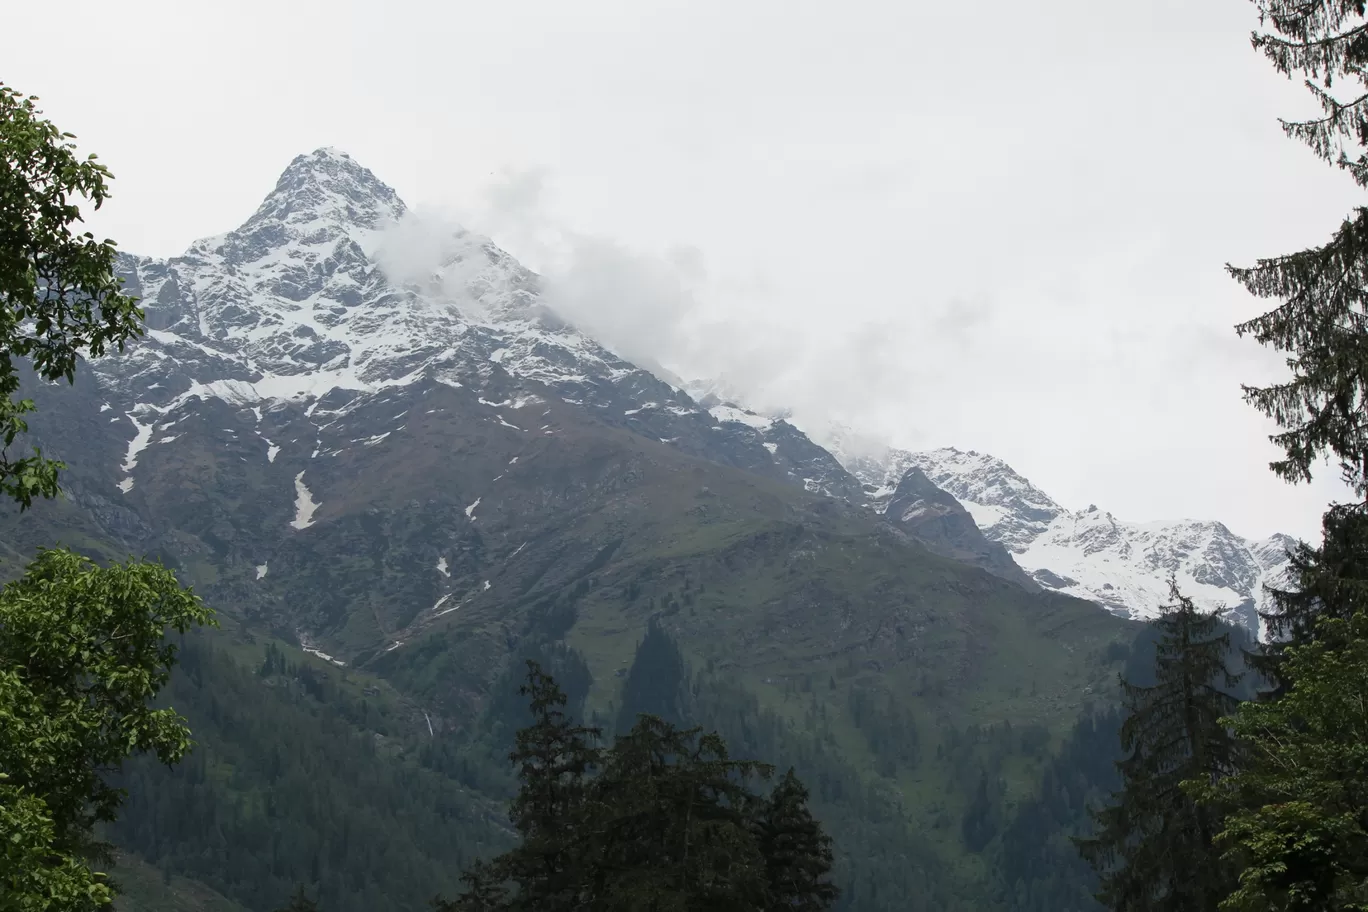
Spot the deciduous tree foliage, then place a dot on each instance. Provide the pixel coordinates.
(1153, 849)
(59, 298)
(82, 648)
(34, 875)
(1300, 832)
(82, 655)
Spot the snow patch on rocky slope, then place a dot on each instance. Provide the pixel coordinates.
(333, 285)
(1123, 566)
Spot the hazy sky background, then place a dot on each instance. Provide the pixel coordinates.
(994, 225)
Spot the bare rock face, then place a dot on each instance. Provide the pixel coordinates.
(1090, 554)
(939, 521)
(319, 292)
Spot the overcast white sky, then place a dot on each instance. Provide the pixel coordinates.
(994, 225)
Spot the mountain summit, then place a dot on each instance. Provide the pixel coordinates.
(348, 423)
(323, 202)
(333, 290)
(325, 187)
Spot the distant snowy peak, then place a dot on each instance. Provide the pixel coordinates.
(1126, 566)
(323, 203)
(999, 498)
(1089, 553)
(1007, 507)
(927, 511)
(1272, 552)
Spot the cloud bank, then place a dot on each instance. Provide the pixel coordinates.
(1062, 367)
(670, 311)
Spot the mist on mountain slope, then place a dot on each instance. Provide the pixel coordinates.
(671, 313)
(1034, 371)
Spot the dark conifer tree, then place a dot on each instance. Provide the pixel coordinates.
(1298, 808)
(1153, 846)
(797, 853)
(657, 682)
(1327, 581)
(300, 902)
(484, 892)
(663, 821)
(676, 822)
(555, 758)
(1321, 320)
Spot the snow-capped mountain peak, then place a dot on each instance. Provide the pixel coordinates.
(334, 289)
(321, 200)
(318, 291)
(997, 496)
(328, 185)
(1089, 553)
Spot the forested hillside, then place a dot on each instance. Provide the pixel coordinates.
(307, 773)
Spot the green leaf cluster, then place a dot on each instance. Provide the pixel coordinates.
(59, 297)
(1299, 831)
(83, 653)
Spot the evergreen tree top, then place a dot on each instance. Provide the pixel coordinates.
(1153, 849)
(1322, 317)
(1326, 581)
(1326, 43)
(664, 819)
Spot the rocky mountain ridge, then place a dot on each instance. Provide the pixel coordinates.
(327, 298)
(305, 300)
(1090, 554)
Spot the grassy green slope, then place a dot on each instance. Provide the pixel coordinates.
(144, 888)
(953, 649)
(800, 605)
